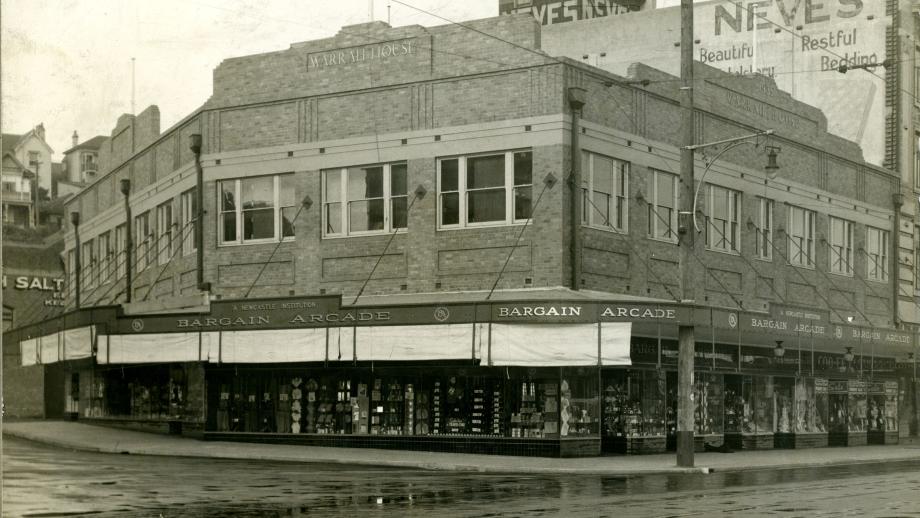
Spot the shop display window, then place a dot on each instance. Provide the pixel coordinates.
(579, 403)
(838, 407)
(763, 404)
(734, 404)
(891, 406)
(784, 417)
(151, 393)
(808, 405)
(634, 404)
(708, 403)
(822, 405)
(857, 420)
(535, 409)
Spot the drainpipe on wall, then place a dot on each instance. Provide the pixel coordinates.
(576, 98)
(77, 267)
(195, 145)
(897, 200)
(129, 239)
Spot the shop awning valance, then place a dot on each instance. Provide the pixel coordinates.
(155, 347)
(560, 344)
(273, 346)
(402, 343)
(70, 344)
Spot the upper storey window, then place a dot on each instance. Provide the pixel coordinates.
(364, 200)
(484, 190)
(256, 210)
(604, 193)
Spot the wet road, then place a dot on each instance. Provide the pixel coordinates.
(42, 481)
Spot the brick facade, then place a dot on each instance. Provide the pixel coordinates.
(446, 91)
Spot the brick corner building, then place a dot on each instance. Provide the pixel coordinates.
(430, 238)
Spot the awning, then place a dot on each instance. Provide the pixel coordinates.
(273, 346)
(431, 342)
(155, 347)
(560, 344)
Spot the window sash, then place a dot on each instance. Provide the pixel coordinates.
(142, 240)
(662, 212)
(513, 197)
(106, 262)
(841, 246)
(877, 252)
(722, 229)
(189, 230)
(341, 210)
(238, 216)
(89, 264)
(801, 237)
(764, 232)
(120, 238)
(604, 206)
(164, 232)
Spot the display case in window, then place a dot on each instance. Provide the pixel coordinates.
(634, 411)
(810, 414)
(784, 412)
(579, 403)
(535, 412)
(708, 403)
(881, 412)
(387, 407)
(734, 410)
(838, 410)
(891, 412)
(757, 414)
(857, 412)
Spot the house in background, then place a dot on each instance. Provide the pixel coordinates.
(80, 165)
(16, 194)
(24, 157)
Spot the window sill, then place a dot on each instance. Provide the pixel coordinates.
(802, 266)
(763, 259)
(477, 226)
(365, 234)
(735, 253)
(877, 281)
(260, 242)
(841, 274)
(660, 240)
(612, 230)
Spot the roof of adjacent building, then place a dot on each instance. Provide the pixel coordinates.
(10, 141)
(94, 143)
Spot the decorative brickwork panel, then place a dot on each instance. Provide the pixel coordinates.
(276, 273)
(482, 99)
(165, 156)
(605, 263)
(258, 126)
(369, 113)
(723, 280)
(357, 268)
(801, 293)
(485, 260)
(878, 305)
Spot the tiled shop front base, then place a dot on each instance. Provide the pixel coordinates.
(450, 444)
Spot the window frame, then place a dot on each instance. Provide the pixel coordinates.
(88, 262)
(104, 243)
(508, 186)
(142, 240)
(808, 221)
(763, 235)
(733, 202)
(653, 207)
(835, 257)
(164, 236)
(882, 242)
(121, 236)
(618, 197)
(239, 211)
(188, 216)
(344, 213)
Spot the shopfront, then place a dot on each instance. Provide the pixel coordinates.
(569, 378)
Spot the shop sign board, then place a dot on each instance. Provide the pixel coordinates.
(549, 12)
(856, 387)
(891, 388)
(838, 386)
(876, 387)
(820, 385)
(541, 312)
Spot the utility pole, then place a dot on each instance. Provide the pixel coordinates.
(686, 242)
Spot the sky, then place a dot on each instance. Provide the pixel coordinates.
(67, 63)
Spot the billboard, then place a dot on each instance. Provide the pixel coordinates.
(550, 12)
(799, 43)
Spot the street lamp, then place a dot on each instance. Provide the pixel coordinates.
(778, 351)
(771, 169)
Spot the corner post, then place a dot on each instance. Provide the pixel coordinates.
(195, 145)
(77, 263)
(576, 98)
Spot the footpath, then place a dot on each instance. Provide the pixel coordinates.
(85, 437)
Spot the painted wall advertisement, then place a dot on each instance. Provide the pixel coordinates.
(549, 12)
(799, 43)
